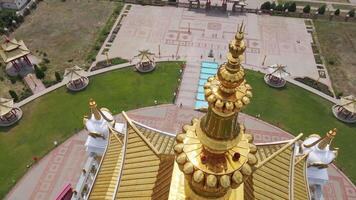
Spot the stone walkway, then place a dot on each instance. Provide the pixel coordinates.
(63, 165)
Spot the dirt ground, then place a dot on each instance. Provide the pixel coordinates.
(64, 31)
(338, 46)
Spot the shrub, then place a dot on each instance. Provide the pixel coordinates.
(315, 84)
(273, 5)
(58, 77)
(46, 60)
(292, 7)
(266, 5)
(337, 12)
(39, 73)
(306, 9)
(44, 68)
(13, 95)
(322, 9)
(351, 13)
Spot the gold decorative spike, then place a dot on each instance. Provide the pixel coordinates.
(327, 139)
(94, 110)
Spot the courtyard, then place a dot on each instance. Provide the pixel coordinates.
(191, 35)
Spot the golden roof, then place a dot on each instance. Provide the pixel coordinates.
(300, 180)
(12, 49)
(6, 105)
(105, 182)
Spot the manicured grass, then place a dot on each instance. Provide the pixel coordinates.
(58, 115)
(299, 111)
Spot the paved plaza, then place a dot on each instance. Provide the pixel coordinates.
(63, 165)
(191, 35)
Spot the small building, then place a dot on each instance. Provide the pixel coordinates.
(13, 4)
(14, 52)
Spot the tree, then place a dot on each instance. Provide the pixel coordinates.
(273, 5)
(58, 76)
(306, 9)
(351, 13)
(279, 7)
(292, 7)
(286, 6)
(266, 5)
(322, 9)
(337, 12)
(39, 73)
(13, 95)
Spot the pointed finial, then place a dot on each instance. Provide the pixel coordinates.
(241, 27)
(330, 135)
(94, 109)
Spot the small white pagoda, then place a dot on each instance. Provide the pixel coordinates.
(320, 155)
(99, 124)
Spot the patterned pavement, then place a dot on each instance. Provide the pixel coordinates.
(63, 165)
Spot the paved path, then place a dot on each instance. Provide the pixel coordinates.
(63, 165)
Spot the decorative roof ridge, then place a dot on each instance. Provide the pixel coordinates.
(273, 143)
(291, 169)
(129, 121)
(153, 129)
(123, 156)
(291, 142)
(301, 157)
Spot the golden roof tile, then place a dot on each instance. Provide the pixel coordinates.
(273, 176)
(146, 174)
(109, 170)
(300, 180)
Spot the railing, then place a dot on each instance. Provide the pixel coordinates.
(66, 193)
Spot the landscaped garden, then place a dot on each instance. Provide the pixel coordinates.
(298, 111)
(58, 115)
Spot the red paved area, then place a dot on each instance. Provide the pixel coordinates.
(63, 165)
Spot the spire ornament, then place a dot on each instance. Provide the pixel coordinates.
(214, 152)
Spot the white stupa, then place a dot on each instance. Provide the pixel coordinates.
(99, 124)
(320, 155)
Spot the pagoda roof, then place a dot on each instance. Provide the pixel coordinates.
(6, 105)
(273, 176)
(143, 162)
(74, 73)
(109, 169)
(12, 49)
(146, 162)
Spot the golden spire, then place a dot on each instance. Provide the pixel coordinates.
(227, 93)
(94, 110)
(214, 152)
(327, 139)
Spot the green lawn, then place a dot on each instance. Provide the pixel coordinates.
(299, 111)
(57, 115)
